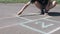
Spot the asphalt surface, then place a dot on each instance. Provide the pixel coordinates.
(29, 22)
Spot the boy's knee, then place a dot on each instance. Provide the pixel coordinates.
(54, 3)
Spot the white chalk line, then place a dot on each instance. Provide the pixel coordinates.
(54, 30)
(23, 18)
(31, 13)
(34, 14)
(6, 17)
(53, 20)
(36, 20)
(9, 26)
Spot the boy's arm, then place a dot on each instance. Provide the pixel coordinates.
(24, 7)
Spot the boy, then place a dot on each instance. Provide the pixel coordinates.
(43, 5)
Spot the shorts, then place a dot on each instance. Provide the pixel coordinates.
(43, 2)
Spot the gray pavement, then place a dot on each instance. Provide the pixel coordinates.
(29, 22)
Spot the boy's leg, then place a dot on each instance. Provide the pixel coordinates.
(53, 4)
(50, 6)
(38, 5)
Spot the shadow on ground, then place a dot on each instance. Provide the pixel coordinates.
(54, 13)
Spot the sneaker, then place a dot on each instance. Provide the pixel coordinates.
(46, 14)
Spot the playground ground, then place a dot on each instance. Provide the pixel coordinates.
(29, 22)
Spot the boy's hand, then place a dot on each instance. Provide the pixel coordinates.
(20, 13)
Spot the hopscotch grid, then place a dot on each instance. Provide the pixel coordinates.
(16, 24)
(56, 29)
(28, 21)
(41, 19)
(19, 23)
(22, 24)
(34, 29)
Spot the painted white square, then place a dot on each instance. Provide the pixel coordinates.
(43, 26)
